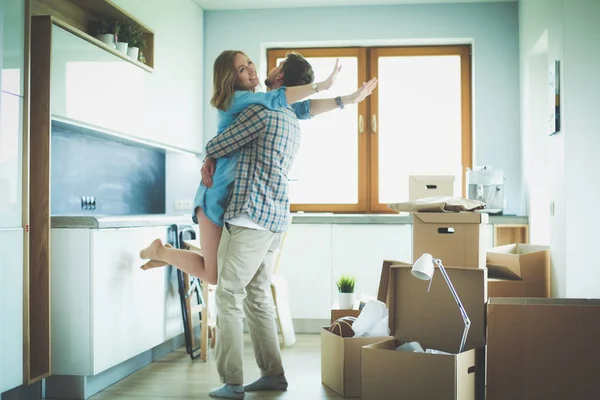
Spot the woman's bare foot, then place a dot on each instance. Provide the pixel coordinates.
(155, 263)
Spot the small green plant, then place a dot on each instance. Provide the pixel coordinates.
(346, 284)
(132, 34)
(106, 25)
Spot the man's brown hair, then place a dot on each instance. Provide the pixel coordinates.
(296, 70)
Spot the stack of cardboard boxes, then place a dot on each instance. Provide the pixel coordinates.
(372, 368)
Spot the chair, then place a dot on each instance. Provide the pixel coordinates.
(279, 291)
(208, 319)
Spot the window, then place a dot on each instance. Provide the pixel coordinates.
(417, 122)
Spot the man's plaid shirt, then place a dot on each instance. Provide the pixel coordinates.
(268, 141)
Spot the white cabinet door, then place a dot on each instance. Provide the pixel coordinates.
(11, 308)
(97, 88)
(128, 303)
(306, 265)
(12, 46)
(359, 250)
(11, 123)
(175, 87)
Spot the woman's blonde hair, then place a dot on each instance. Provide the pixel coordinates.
(224, 79)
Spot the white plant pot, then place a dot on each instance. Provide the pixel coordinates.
(107, 38)
(122, 47)
(346, 301)
(133, 52)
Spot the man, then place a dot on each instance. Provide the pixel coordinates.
(257, 214)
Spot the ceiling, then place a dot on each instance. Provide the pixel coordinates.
(255, 4)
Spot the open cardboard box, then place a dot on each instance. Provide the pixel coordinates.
(543, 349)
(340, 357)
(456, 238)
(518, 270)
(434, 320)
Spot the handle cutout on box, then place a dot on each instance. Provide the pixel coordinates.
(446, 230)
(471, 370)
(431, 186)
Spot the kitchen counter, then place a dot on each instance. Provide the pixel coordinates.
(130, 221)
(118, 221)
(385, 219)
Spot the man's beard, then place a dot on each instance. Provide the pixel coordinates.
(268, 82)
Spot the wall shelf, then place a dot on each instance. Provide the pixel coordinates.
(80, 17)
(511, 233)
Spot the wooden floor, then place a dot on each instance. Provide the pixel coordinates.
(176, 376)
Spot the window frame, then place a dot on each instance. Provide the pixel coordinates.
(368, 139)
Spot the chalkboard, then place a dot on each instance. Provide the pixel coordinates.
(123, 177)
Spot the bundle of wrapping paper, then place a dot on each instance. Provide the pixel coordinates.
(439, 204)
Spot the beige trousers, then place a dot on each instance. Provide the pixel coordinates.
(246, 258)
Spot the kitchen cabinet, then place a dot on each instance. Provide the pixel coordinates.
(94, 87)
(306, 265)
(175, 88)
(11, 138)
(359, 250)
(12, 48)
(315, 255)
(105, 310)
(11, 308)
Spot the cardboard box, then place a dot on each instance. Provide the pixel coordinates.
(543, 349)
(422, 186)
(340, 357)
(519, 270)
(433, 320)
(458, 239)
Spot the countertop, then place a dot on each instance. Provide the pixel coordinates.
(132, 221)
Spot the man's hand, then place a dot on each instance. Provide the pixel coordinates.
(207, 171)
(365, 90)
(328, 83)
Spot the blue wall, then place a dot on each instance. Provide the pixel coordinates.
(492, 28)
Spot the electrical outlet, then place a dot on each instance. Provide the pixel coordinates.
(88, 203)
(183, 205)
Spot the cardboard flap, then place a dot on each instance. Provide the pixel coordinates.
(503, 272)
(452, 217)
(434, 317)
(384, 280)
(542, 302)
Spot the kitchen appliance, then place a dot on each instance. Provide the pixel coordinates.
(487, 184)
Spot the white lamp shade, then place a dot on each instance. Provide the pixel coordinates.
(423, 268)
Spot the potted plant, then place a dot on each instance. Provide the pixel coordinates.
(107, 31)
(122, 37)
(133, 36)
(345, 285)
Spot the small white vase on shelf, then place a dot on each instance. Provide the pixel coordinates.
(345, 300)
(133, 52)
(122, 47)
(108, 39)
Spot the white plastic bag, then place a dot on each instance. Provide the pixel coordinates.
(372, 318)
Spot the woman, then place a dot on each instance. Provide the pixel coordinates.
(234, 84)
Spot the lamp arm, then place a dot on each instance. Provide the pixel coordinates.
(463, 312)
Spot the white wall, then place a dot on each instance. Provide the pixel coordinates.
(582, 138)
(543, 162)
(492, 28)
(560, 169)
